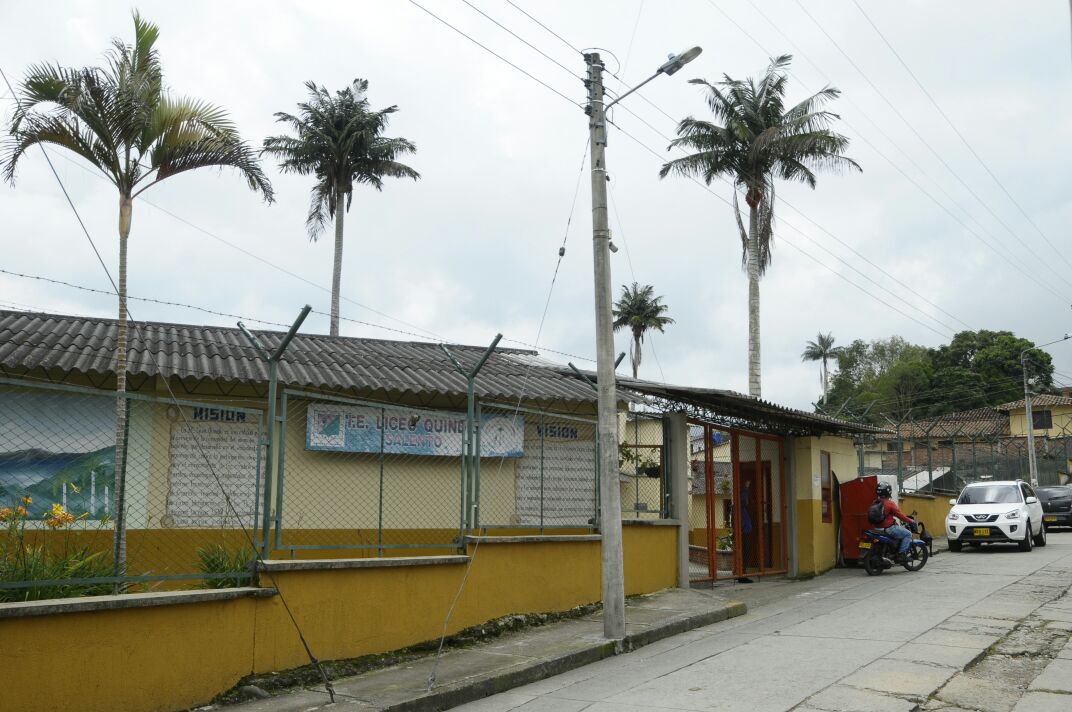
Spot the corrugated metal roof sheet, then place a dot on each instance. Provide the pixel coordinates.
(746, 412)
(87, 345)
(978, 422)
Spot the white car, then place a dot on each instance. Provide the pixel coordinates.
(988, 512)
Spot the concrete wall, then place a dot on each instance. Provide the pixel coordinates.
(178, 656)
(816, 539)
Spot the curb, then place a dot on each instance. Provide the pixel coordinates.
(476, 689)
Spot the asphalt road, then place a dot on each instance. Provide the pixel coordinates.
(981, 630)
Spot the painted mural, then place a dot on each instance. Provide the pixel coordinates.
(57, 447)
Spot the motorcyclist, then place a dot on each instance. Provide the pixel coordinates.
(893, 515)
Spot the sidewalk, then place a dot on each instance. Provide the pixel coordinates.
(509, 661)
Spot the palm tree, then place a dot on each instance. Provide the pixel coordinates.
(639, 310)
(822, 349)
(339, 143)
(756, 141)
(122, 120)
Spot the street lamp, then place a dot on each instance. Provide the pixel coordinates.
(1029, 424)
(610, 506)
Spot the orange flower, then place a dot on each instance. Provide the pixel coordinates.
(5, 514)
(27, 500)
(21, 511)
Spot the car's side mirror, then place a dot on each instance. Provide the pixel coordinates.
(1031, 500)
(952, 502)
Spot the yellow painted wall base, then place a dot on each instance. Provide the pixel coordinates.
(178, 656)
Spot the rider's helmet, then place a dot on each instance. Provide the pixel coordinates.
(884, 490)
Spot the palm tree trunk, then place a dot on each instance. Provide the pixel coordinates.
(119, 548)
(336, 273)
(635, 355)
(753, 301)
(826, 387)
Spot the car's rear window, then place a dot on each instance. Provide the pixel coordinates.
(990, 494)
(1047, 493)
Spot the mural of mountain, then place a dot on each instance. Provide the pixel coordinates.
(41, 475)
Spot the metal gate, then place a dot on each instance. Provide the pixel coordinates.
(737, 504)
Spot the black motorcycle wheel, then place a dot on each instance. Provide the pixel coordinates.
(917, 558)
(873, 564)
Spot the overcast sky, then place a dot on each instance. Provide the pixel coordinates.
(470, 249)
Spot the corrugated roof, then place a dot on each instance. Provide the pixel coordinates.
(745, 412)
(87, 345)
(1044, 400)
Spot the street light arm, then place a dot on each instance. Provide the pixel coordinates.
(622, 96)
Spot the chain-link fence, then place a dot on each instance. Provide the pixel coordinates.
(536, 470)
(944, 466)
(178, 514)
(642, 473)
(360, 478)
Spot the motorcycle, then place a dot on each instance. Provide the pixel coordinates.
(880, 549)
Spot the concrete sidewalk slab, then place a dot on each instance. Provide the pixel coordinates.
(469, 674)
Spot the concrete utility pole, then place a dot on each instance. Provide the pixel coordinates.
(610, 496)
(1032, 466)
(610, 506)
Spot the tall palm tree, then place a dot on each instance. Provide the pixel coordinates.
(123, 121)
(756, 140)
(639, 310)
(339, 143)
(822, 349)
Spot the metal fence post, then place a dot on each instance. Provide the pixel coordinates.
(543, 434)
(273, 384)
(468, 469)
(379, 517)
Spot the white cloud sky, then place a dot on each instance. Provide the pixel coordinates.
(469, 250)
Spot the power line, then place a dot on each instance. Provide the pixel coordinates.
(555, 34)
(524, 41)
(963, 140)
(1012, 259)
(493, 52)
(923, 140)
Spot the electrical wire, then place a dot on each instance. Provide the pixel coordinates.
(524, 41)
(956, 130)
(985, 205)
(494, 53)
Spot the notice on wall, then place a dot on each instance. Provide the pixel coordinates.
(556, 480)
(400, 431)
(213, 458)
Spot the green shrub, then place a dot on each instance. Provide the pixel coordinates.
(23, 561)
(216, 559)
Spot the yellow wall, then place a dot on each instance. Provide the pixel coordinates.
(1061, 416)
(140, 659)
(932, 511)
(816, 539)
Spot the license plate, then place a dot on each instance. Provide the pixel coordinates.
(981, 531)
(1049, 519)
(865, 545)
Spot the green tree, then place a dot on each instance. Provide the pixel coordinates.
(755, 139)
(639, 310)
(339, 143)
(122, 120)
(822, 349)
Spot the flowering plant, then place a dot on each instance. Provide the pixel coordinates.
(61, 566)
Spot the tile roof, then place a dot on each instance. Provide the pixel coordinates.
(977, 422)
(87, 345)
(1044, 400)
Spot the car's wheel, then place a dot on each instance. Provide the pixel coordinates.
(955, 546)
(1040, 540)
(1027, 542)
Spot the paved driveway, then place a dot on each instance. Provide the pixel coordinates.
(846, 641)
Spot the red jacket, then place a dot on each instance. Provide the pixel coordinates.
(892, 512)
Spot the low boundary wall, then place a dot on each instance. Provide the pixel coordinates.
(168, 651)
